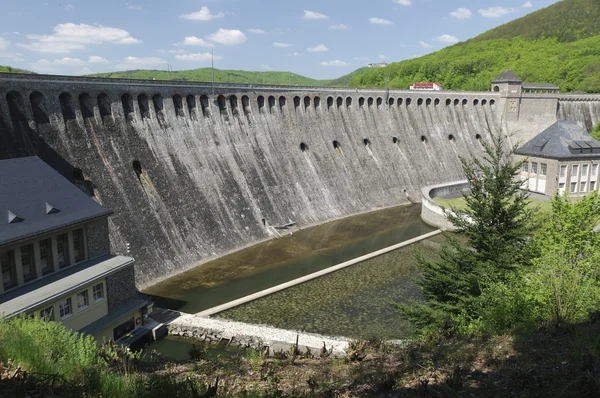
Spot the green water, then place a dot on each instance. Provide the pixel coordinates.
(277, 261)
(177, 348)
(355, 302)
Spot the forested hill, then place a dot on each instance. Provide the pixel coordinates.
(559, 44)
(10, 69)
(232, 76)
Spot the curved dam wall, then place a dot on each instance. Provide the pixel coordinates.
(585, 109)
(193, 175)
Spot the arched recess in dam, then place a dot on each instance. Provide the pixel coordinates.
(207, 174)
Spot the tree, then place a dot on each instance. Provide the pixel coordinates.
(596, 131)
(494, 227)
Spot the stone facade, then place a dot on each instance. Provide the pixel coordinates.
(98, 238)
(120, 289)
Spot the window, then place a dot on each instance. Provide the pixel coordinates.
(563, 171)
(594, 169)
(47, 314)
(9, 272)
(582, 186)
(46, 256)
(525, 167)
(592, 185)
(28, 262)
(544, 169)
(78, 245)
(82, 300)
(65, 308)
(584, 170)
(533, 168)
(575, 171)
(98, 292)
(573, 187)
(561, 186)
(62, 249)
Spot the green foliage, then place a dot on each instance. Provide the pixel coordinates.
(9, 69)
(495, 225)
(567, 20)
(559, 44)
(596, 131)
(559, 281)
(232, 76)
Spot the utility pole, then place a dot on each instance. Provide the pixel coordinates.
(212, 56)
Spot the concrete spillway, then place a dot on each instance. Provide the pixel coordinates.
(585, 109)
(191, 175)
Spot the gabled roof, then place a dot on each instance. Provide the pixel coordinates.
(508, 76)
(565, 139)
(34, 199)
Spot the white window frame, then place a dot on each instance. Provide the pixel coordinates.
(543, 169)
(571, 190)
(83, 294)
(47, 314)
(563, 171)
(594, 169)
(64, 306)
(582, 186)
(97, 297)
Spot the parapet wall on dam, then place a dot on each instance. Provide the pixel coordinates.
(192, 175)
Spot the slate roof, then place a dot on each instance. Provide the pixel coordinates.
(563, 140)
(37, 199)
(508, 76)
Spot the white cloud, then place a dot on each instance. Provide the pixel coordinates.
(203, 15)
(4, 44)
(336, 62)
(383, 57)
(403, 2)
(446, 39)
(257, 31)
(296, 54)
(228, 37)
(281, 45)
(199, 57)
(69, 7)
(95, 59)
(318, 48)
(194, 41)
(43, 66)
(495, 12)
(17, 57)
(425, 45)
(69, 62)
(134, 7)
(68, 37)
(339, 27)
(140, 63)
(380, 21)
(265, 67)
(313, 15)
(527, 5)
(85, 71)
(461, 13)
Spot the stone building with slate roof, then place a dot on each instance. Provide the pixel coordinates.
(509, 83)
(562, 157)
(55, 257)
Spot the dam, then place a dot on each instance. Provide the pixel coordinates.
(194, 171)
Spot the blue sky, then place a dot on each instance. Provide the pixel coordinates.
(315, 38)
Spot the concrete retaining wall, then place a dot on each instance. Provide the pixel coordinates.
(431, 212)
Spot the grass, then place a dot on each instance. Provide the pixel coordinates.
(460, 204)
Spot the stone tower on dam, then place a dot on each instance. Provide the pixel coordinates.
(192, 175)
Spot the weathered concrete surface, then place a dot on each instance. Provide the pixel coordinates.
(257, 336)
(584, 108)
(209, 169)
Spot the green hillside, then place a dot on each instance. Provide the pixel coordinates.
(221, 76)
(10, 69)
(549, 45)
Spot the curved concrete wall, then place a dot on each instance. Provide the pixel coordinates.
(192, 176)
(431, 212)
(584, 108)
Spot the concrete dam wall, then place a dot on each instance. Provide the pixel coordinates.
(583, 108)
(193, 175)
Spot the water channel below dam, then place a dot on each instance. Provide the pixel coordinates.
(354, 302)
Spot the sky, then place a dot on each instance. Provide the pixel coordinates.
(316, 38)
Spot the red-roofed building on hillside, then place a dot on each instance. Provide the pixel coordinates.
(429, 86)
